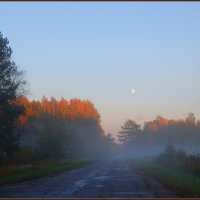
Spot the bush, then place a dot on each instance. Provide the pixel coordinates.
(193, 163)
(179, 159)
(168, 156)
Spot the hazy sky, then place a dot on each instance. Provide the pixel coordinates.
(101, 50)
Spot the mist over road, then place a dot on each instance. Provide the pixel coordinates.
(101, 179)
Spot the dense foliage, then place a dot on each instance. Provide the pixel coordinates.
(58, 129)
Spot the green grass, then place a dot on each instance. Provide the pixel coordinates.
(181, 182)
(15, 174)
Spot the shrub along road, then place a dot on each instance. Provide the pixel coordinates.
(100, 179)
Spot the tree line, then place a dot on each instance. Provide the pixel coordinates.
(157, 134)
(58, 128)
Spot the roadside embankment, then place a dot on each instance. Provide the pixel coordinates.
(179, 181)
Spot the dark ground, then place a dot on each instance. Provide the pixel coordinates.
(101, 179)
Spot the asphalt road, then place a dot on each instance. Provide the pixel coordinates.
(102, 179)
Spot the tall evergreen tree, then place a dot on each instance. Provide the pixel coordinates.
(11, 86)
(128, 132)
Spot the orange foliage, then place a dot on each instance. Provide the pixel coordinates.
(157, 123)
(28, 109)
(75, 109)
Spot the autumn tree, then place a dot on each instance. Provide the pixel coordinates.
(62, 107)
(27, 105)
(11, 86)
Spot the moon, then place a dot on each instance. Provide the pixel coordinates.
(133, 91)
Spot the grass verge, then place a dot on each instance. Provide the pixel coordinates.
(181, 182)
(14, 174)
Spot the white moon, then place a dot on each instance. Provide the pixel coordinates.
(133, 91)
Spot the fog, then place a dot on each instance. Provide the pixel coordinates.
(84, 139)
(156, 135)
(53, 129)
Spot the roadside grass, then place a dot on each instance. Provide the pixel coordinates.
(182, 183)
(14, 174)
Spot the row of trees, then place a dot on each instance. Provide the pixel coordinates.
(73, 109)
(156, 134)
(59, 129)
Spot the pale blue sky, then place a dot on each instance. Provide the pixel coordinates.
(100, 50)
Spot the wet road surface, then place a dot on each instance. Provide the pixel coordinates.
(106, 179)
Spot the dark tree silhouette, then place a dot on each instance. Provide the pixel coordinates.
(11, 85)
(129, 130)
(191, 119)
